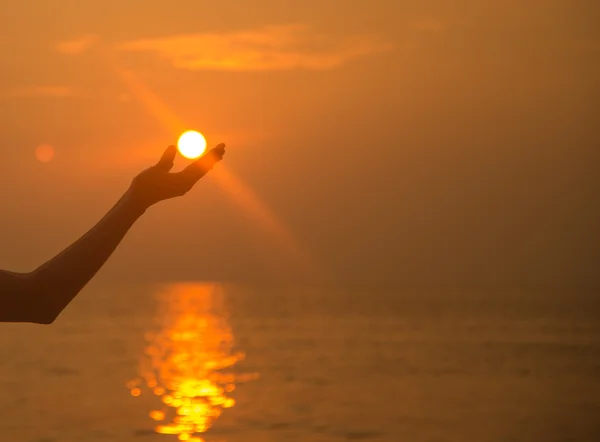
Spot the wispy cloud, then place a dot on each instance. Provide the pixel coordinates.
(76, 46)
(44, 91)
(281, 47)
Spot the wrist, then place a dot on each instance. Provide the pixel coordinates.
(132, 205)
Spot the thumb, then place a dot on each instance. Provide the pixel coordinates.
(166, 161)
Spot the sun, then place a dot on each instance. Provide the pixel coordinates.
(191, 144)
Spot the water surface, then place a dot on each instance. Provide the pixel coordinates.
(229, 363)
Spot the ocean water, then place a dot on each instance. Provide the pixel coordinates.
(208, 362)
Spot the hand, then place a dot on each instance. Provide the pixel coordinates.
(157, 183)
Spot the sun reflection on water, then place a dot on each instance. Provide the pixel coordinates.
(188, 361)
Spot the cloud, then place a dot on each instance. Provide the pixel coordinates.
(283, 47)
(44, 91)
(76, 46)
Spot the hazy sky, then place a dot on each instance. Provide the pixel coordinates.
(392, 142)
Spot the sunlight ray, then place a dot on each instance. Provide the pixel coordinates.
(239, 192)
(251, 203)
(151, 101)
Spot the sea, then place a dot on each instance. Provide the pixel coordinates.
(203, 361)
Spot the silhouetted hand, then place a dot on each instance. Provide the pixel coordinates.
(157, 183)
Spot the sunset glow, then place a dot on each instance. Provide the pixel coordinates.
(267, 221)
(191, 144)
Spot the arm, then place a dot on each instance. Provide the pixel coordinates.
(40, 296)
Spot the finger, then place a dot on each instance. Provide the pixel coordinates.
(200, 167)
(167, 160)
(179, 185)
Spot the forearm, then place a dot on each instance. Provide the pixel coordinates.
(41, 295)
(54, 284)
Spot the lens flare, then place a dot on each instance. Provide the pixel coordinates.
(44, 153)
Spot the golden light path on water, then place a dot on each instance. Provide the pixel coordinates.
(187, 364)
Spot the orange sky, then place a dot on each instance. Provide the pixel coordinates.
(387, 142)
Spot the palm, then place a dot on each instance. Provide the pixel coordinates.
(157, 183)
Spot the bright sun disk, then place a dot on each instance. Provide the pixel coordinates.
(191, 144)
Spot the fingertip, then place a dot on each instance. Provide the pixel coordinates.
(218, 151)
(170, 150)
